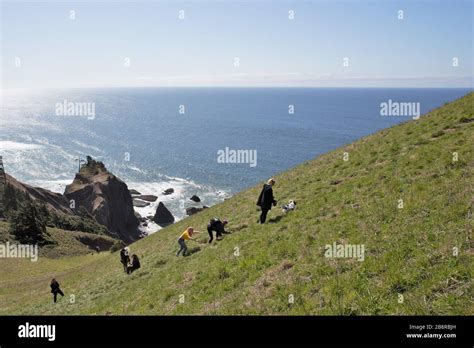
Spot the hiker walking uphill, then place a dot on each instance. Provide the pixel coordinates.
(218, 226)
(125, 257)
(55, 290)
(186, 235)
(266, 200)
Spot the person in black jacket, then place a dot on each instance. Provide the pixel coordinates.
(218, 226)
(134, 265)
(125, 258)
(55, 290)
(266, 200)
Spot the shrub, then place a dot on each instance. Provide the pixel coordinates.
(465, 119)
(116, 246)
(28, 223)
(84, 223)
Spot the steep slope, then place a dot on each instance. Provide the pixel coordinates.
(418, 256)
(54, 201)
(106, 198)
(61, 243)
(60, 214)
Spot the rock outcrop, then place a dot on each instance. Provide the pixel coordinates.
(139, 203)
(193, 210)
(168, 191)
(163, 216)
(106, 198)
(53, 201)
(148, 198)
(195, 198)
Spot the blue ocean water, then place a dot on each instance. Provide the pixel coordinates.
(140, 134)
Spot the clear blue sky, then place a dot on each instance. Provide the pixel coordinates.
(417, 51)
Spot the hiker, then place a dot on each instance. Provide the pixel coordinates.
(125, 257)
(266, 199)
(134, 265)
(218, 226)
(55, 290)
(97, 248)
(186, 235)
(289, 207)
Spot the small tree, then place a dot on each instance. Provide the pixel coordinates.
(82, 212)
(116, 246)
(10, 198)
(28, 223)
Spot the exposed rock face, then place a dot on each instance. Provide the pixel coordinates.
(55, 202)
(148, 198)
(195, 198)
(134, 192)
(139, 203)
(163, 216)
(193, 210)
(168, 191)
(106, 198)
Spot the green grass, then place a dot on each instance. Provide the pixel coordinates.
(61, 243)
(409, 251)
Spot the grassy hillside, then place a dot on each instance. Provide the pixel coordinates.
(60, 243)
(409, 251)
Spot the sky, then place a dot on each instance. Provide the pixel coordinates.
(236, 43)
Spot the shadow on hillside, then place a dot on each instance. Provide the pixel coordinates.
(237, 228)
(275, 219)
(193, 251)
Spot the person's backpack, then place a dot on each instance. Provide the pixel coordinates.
(214, 221)
(260, 197)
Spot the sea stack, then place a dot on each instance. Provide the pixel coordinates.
(163, 216)
(168, 191)
(195, 198)
(106, 198)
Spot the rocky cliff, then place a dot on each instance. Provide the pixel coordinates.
(55, 202)
(106, 198)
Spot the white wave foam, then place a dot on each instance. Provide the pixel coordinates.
(16, 146)
(136, 169)
(89, 147)
(178, 201)
(37, 161)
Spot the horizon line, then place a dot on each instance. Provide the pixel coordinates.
(240, 87)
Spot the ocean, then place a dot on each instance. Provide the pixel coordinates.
(189, 138)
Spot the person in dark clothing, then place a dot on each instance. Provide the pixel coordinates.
(218, 226)
(266, 200)
(134, 265)
(55, 290)
(124, 258)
